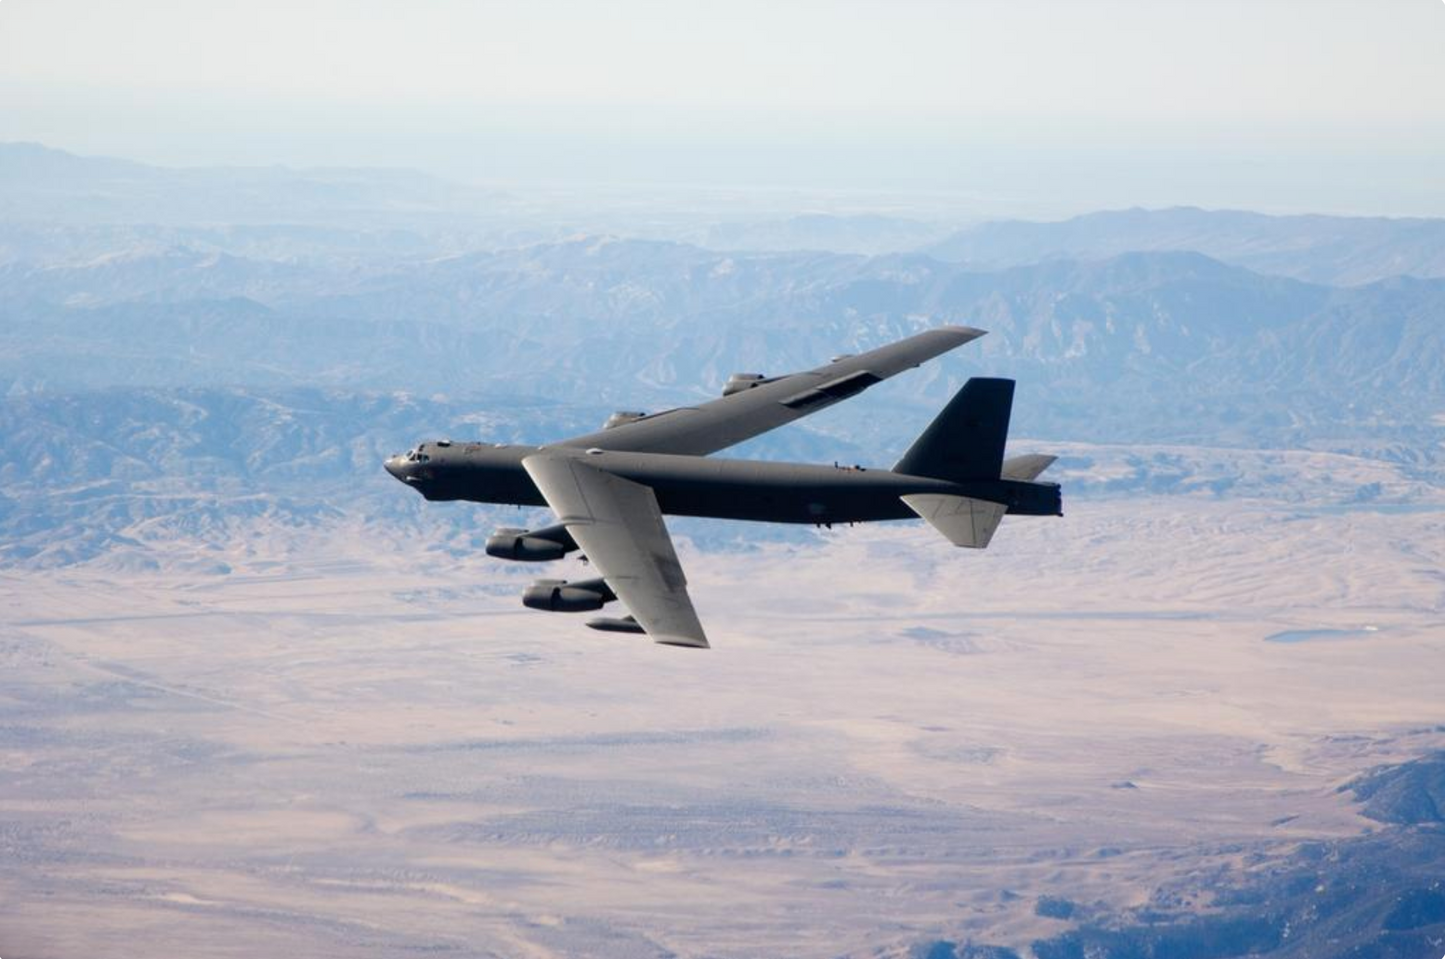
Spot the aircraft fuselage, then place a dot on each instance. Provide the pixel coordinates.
(707, 486)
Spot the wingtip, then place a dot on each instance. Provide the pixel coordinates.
(970, 332)
(690, 642)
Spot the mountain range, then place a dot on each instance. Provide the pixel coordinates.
(1321, 249)
(56, 205)
(157, 357)
(1163, 347)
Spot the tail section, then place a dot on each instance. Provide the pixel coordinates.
(965, 441)
(964, 445)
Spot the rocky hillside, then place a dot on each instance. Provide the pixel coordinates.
(1166, 347)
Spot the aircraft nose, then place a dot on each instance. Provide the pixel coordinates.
(398, 467)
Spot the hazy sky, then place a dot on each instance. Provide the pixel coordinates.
(1282, 104)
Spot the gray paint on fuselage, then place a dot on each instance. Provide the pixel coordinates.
(690, 485)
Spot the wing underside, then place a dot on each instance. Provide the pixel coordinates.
(618, 524)
(709, 427)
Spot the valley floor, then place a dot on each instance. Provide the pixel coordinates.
(351, 745)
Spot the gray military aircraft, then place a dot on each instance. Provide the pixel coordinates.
(610, 489)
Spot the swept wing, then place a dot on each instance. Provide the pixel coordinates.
(618, 525)
(709, 427)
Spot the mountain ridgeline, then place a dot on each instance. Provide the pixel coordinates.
(1164, 347)
(185, 339)
(1322, 249)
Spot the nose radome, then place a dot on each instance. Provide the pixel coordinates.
(396, 466)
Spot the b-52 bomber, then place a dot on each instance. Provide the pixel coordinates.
(610, 489)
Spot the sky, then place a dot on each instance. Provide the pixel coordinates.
(1332, 105)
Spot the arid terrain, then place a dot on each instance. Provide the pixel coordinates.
(354, 746)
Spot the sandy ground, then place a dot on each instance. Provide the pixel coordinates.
(358, 747)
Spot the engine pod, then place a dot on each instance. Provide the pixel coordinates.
(531, 546)
(559, 596)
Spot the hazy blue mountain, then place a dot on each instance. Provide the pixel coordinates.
(85, 473)
(1323, 249)
(60, 208)
(1167, 347)
(181, 374)
(40, 185)
(868, 233)
(52, 245)
(123, 469)
(156, 397)
(56, 206)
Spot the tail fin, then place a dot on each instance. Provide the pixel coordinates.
(966, 440)
(964, 445)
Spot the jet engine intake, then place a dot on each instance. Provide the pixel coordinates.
(560, 596)
(531, 546)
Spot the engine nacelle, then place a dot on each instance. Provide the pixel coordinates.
(560, 596)
(531, 546)
(742, 381)
(621, 417)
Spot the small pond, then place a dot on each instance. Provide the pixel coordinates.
(1309, 635)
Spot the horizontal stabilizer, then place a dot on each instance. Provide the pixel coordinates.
(1026, 467)
(963, 520)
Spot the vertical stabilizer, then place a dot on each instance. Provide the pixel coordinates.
(966, 440)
